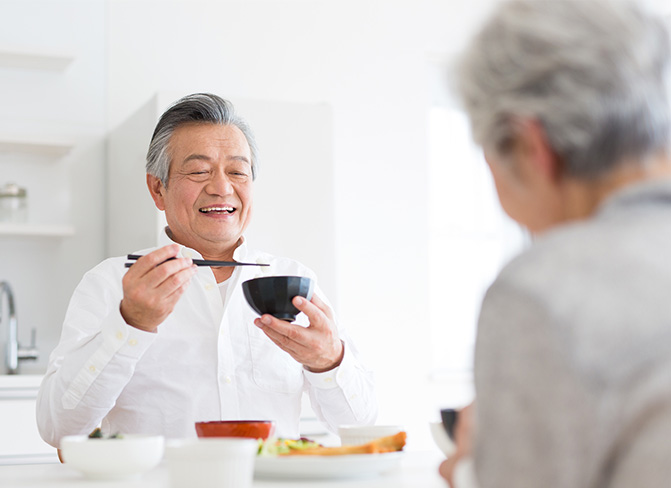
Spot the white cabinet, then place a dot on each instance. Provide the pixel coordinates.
(51, 149)
(48, 150)
(20, 442)
(38, 60)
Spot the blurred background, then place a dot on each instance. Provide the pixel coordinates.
(367, 171)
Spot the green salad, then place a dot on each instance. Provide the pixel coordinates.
(279, 446)
(98, 434)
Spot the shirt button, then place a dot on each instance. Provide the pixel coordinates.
(228, 380)
(328, 380)
(119, 335)
(132, 342)
(92, 369)
(209, 286)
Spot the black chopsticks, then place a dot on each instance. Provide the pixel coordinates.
(201, 262)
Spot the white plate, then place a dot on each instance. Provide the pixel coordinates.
(325, 467)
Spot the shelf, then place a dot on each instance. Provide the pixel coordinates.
(11, 58)
(36, 230)
(40, 148)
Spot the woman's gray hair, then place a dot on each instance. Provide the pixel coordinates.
(594, 74)
(199, 108)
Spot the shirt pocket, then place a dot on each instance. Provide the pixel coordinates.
(273, 369)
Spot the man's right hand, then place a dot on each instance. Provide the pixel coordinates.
(152, 287)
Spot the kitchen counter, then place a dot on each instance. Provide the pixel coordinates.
(20, 381)
(20, 443)
(417, 469)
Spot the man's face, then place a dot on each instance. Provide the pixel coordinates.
(208, 199)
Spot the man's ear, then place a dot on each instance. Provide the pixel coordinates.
(537, 151)
(157, 191)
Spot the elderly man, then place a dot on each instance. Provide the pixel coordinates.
(570, 102)
(165, 344)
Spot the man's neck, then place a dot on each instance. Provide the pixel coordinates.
(215, 252)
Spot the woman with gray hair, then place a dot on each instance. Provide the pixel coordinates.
(570, 102)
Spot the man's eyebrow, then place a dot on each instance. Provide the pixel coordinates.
(203, 157)
(196, 157)
(240, 158)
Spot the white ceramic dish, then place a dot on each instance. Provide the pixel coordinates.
(213, 462)
(325, 467)
(354, 435)
(127, 457)
(441, 438)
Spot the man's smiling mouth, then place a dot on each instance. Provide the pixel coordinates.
(217, 209)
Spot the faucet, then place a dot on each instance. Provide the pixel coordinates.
(15, 352)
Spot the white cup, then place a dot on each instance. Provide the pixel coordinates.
(211, 462)
(441, 438)
(354, 435)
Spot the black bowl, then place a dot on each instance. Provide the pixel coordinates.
(449, 418)
(273, 294)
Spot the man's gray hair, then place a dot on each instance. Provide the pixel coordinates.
(594, 74)
(196, 108)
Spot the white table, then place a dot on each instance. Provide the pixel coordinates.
(417, 469)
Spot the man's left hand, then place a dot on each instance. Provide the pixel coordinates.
(317, 347)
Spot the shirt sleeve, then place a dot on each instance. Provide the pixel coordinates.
(344, 395)
(93, 362)
(535, 416)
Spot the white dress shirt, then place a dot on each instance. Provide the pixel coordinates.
(207, 361)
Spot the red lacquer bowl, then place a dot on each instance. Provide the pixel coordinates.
(255, 429)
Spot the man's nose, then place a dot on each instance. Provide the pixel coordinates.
(219, 184)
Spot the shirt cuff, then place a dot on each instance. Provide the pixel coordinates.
(118, 338)
(332, 378)
(125, 339)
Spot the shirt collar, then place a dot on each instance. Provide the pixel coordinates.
(658, 190)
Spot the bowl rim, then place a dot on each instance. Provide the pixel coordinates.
(264, 278)
(223, 422)
(125, 438)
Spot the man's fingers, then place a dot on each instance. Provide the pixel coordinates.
(283, 342)
(177, 283)
(149, 261)
(316, 310)
(170, 275)
(292, 332)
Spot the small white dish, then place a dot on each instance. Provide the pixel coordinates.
(354, 435)
(212, 462)
(325, 467)
(441, 438)
(109, 459)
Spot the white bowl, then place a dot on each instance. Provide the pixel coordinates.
(212, 462)
(126, 457)
(441, 438)
(354, 435)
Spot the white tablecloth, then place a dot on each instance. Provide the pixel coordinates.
(417, 470)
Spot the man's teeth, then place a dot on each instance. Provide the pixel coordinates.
(217, 209)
